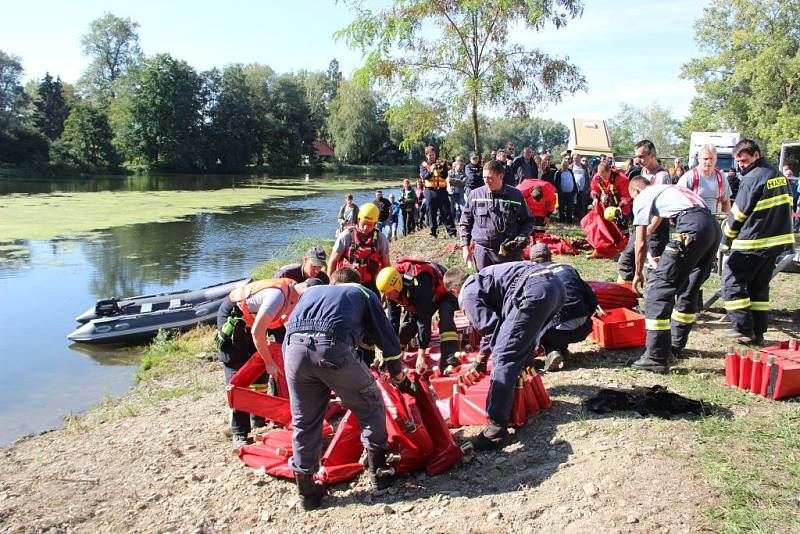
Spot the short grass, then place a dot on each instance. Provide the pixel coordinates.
(750, 450)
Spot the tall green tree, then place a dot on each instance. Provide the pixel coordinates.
(112, 45)
(414, 123)
(12, 94)
(333, 76)
(355, 123)
(654, 122)
(747, 78)
(462, 49)
(51, 107)
(231, 126)
(157, 120)
(259, 79)
(292, 131)
(86, 140)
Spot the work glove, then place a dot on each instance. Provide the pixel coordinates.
(512, 244)
(405, 385)
(477, 369)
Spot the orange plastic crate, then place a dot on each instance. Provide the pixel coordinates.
(619, 329)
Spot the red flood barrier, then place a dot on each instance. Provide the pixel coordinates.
(772, 372)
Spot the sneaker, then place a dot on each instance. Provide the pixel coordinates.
(553, 361)
(737, 336)
(239, 441)
(645, 363)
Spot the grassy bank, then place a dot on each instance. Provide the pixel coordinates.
(747, 452)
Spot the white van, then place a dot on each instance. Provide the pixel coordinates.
(724, 143)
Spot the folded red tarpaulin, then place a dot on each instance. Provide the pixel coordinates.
(606, 237)
(612, 295)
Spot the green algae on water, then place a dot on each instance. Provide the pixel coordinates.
(47, 216)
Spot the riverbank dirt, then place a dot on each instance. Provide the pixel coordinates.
(158, 460)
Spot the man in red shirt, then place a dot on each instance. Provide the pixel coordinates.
(542, 201)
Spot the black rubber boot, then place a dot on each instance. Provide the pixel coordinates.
(493, 436)
(310, 492)
(380, 474)
(646, 363)
(737, 336)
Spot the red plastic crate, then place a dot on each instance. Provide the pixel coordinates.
(618, 329)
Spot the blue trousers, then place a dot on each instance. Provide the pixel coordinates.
(315, 366)
(537, 298)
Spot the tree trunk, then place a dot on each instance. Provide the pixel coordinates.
(475, 135)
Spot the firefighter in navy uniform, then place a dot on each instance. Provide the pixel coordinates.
(496, 219)
(757, 231)
(573, 322)
(320, 356)
(362, 247)
(434, 174)
(672, 299)
(511, 305)
(418, 287)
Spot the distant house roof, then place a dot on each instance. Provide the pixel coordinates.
(322, 148)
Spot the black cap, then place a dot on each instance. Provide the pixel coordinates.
(317, 256)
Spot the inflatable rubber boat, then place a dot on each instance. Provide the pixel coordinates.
(140, 318)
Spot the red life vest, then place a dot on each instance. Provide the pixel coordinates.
(362, 255)
(611, 192)
(410, 268)
(696, 185)
(241, 294)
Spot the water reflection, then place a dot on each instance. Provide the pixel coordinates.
(45, 284)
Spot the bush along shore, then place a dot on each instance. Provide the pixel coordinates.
(157, 458)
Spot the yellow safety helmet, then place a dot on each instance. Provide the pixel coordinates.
(369, 213)
(389, 279)
(610, 213)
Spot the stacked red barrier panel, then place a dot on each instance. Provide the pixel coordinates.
(772, 372)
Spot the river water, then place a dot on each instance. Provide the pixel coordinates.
(45, 378)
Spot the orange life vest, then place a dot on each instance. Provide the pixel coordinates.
(241, 294)
(362, 255)
(410, 268)
(436, 181)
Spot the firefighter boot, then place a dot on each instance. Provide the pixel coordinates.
(310, 492)
(380, 474)
(645, 362)
(493, 436)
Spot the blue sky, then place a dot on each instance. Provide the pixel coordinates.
(629, 51)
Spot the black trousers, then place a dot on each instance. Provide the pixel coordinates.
(555, 339)
(439, 210)
(656, 242)
(448, 333)
(233, 354)
(673, 294)
(745, 289)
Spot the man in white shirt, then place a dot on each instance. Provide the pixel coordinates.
(708, 181)
(672, 295)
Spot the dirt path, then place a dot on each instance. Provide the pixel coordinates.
(166, 467)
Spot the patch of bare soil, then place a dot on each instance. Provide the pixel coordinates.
(168, 468)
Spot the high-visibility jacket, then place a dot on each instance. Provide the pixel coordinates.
(410, 268)
(760, 218)
(362, 255)
(241, 294)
